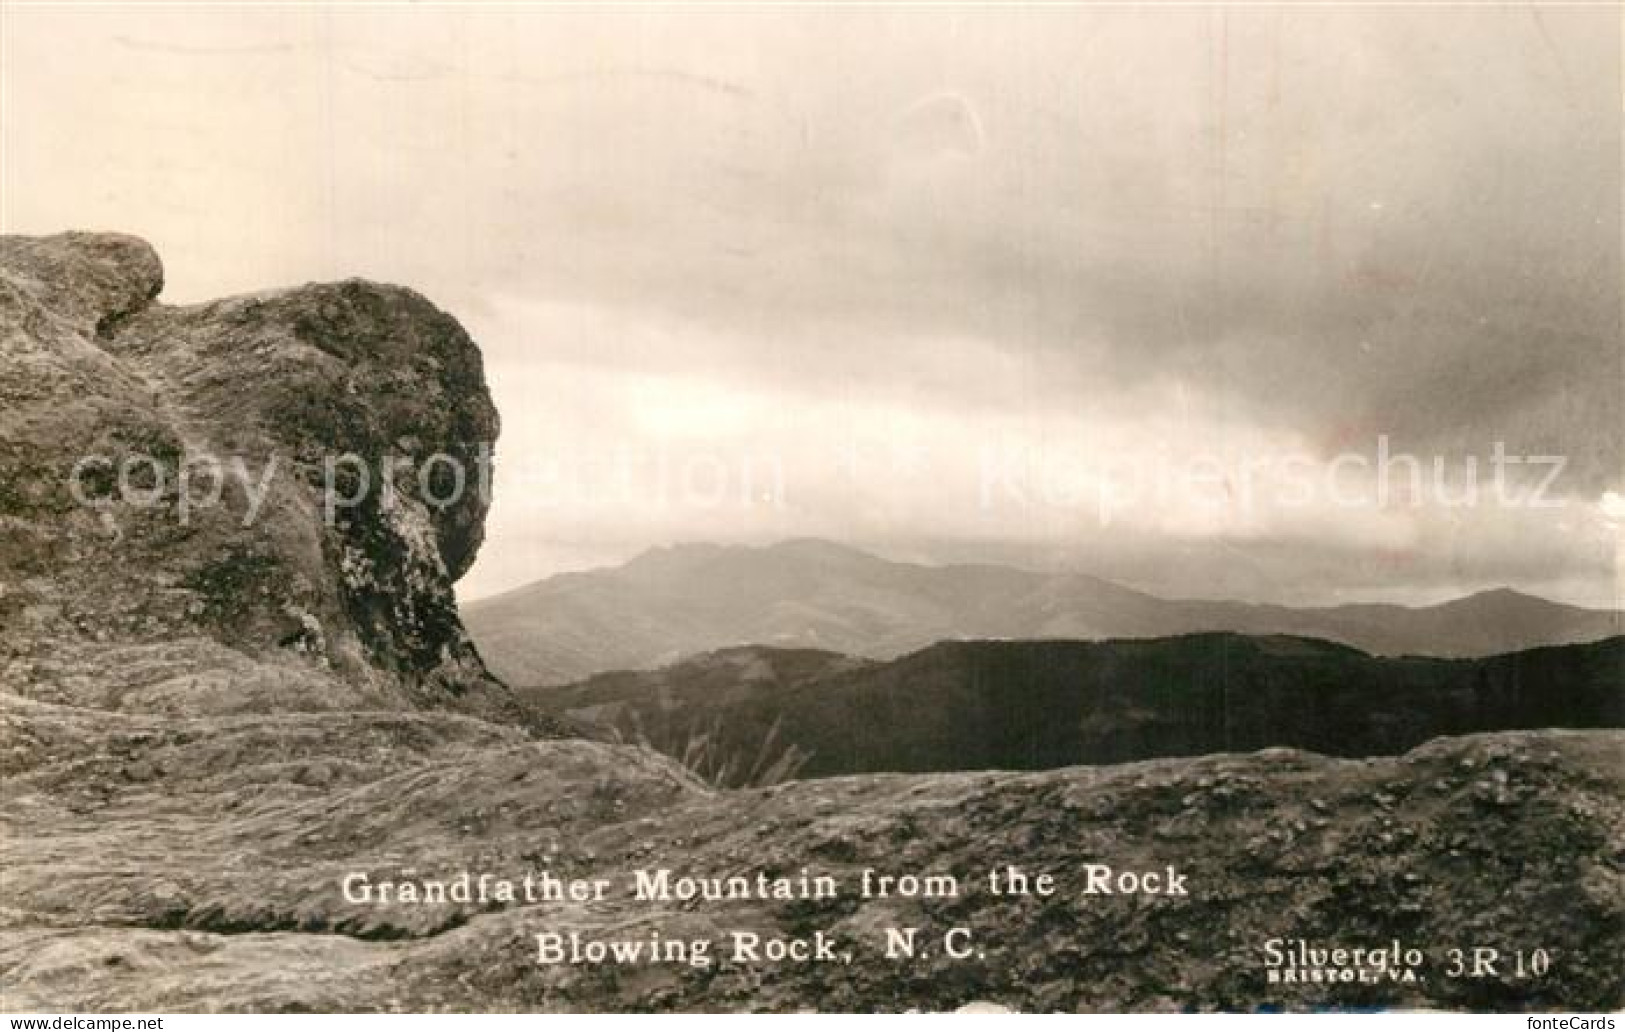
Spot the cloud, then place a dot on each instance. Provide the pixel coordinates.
(1291, 228)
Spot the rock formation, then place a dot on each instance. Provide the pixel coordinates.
(234, 545)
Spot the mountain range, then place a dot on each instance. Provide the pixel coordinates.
(683, 600)
(757, 715)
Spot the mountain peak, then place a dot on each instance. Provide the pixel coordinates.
(675, 550)
(1502, 595)
(820, 549)
(683, 556)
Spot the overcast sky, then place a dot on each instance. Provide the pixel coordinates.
(1064, 287)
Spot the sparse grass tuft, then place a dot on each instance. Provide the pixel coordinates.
(703, 749)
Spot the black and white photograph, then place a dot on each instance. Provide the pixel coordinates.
(840, 508)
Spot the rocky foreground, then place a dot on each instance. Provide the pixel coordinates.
(164, 864)
(208, 726)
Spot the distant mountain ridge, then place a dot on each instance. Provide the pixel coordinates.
(683, 600)
(752, 714)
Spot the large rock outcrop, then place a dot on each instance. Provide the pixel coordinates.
(253, 504)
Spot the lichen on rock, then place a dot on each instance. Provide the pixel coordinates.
(262, 400)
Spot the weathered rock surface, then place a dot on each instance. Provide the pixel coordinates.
(141, 595)
(168, 864)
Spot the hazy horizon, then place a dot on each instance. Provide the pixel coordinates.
(1057, 288)
(1444, 594)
